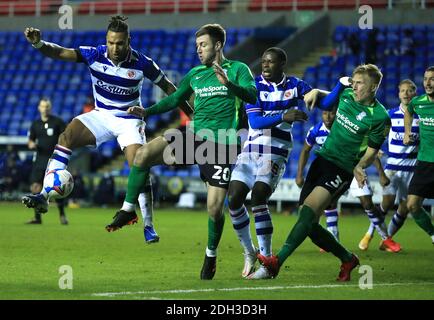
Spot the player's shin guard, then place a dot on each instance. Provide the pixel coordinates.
(325, 240)
(241, 223)
(264, 228)
(298, 234)
(423, 220)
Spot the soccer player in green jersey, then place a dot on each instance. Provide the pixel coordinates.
(220, 86)
(422, 183)
(357, 134)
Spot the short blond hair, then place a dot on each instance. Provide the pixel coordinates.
(371, 70)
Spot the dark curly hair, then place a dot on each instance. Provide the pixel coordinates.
(118, 24)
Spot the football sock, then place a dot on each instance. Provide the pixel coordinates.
(332, 222)
(377, 219)
(136, 186)
(264, 228)
(423, 220)
(371, 228)
(146, 206)
(325, 240)
(215, 230)
(395, 224)
(59, 160)
(298, 234)
(241, 223)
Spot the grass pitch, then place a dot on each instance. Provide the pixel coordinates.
(120, 265)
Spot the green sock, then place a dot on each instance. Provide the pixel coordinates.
(136, 183)
(215, 230)
(325, 240)
(423, 220)
(298, 233)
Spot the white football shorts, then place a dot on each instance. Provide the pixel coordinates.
(399, 182)
(356, 191)
(252, 167)
(105, 126)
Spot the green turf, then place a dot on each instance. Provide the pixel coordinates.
(120, 262)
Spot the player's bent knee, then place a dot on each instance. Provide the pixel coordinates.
(142, 157)
(235, 200)
(413, 206)
(215, 210)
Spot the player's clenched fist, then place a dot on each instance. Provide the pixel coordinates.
(32, 35)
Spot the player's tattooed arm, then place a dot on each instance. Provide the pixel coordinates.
(49, 49)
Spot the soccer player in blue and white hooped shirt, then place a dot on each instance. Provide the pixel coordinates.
(401, 162)
(117, 73)
(263, 159)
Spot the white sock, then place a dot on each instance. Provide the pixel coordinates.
(241, 223)
(396, 223)
(128, 207)
(264, 228)
(59, 160)
(146, 207)
(371, 229)
(332, 222)
(379, 224)
(211, 253)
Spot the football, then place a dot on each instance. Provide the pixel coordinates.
(58, 183)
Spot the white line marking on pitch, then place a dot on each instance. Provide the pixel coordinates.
(325, 286)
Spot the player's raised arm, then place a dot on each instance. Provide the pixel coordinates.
(168, 87)
(49, 49)
(326, 100)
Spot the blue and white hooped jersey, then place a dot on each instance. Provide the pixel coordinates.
(317, 135)
(116, 88)
(401, 157)
(274, 99)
